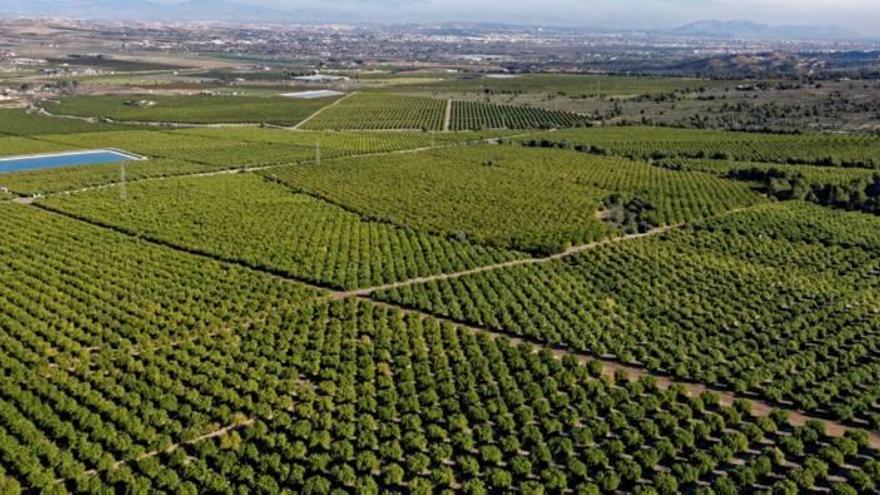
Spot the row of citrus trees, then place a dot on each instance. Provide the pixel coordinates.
(263, 224)
(82, 312)
(360, 398)
(200, 376)
(382, 111)
(198, 109)
(198, 150)
(665, 143)
(533, 200)
(68, 287)
(374, 111)
(475, 115)
(791, 319)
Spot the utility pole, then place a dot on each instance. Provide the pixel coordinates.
(122, 194)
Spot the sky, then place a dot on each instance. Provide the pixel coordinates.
(860, 15)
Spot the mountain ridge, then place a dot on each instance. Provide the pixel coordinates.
(302, 11)
(189, 10)
(750, 29)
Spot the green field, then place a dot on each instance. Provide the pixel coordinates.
(115, 64)
(20, 123)
(734, 301)
(565, 85)
(248, 219)
(813, 149)
(812, 174)
(470, 115)
(204, 150)
(137, 293)
(121, 401)
(14, 145)
(536, 200)
(324, 382)
(382, 111)
(373, 304)
(198, 109)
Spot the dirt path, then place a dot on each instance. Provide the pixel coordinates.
(151, 123)
(320, 110)
(505, 264)
(225, 171)
(185, 125)
(609, 366)
(171, 448)
(447, 121)
(245, 169)
(612, 369)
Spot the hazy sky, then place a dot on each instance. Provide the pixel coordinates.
(860, 15)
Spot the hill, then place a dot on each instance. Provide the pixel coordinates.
(190, 10)
(748, 29)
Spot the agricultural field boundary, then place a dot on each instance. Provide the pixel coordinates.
(318, 112)
(278, 274)
(368, 291)
(610, 367)
(238, 169)
(41, 110)
(154, 123)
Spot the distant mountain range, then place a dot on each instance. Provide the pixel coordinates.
(754, 30)
(302, 11)
(189, 10)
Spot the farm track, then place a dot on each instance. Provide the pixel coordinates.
(184, 125)
(325, 107)
(278, 274)
(505, 264)
(151, 123)
(611, 367)
(213, 173)
(219, 432)
(447, 120)
(257, 168)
